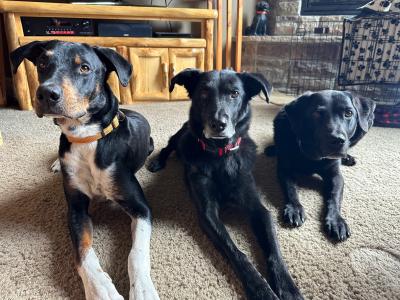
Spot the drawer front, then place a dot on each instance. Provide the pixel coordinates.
(180, 59)
(150, 73)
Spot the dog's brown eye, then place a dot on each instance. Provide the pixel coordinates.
(348, 114)
(85, 69)
(234, 94)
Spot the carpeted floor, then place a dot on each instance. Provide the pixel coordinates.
(35, 250)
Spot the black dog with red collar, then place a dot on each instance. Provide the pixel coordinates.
(259, 26)
(219, 156)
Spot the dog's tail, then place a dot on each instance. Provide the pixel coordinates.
(151, 146)
(270, 150)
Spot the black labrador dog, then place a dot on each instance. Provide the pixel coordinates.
(101, 148)
(259, 26)
(312, 135)
(218, 157)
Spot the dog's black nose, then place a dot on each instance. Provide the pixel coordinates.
(219, 125)
(48, 93)
(338, 140)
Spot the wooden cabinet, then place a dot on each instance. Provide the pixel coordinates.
(150, 73)
(151, 57)
(153, 69)
(180, 59)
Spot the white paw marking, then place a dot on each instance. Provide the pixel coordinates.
(56, 166)
(97, 283)
(142, 287)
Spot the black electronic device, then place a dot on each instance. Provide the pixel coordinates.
(172, 35)
(124, 29)
(40, 26)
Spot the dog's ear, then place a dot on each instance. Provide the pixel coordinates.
(254, 83)
(295, 111)
(115, 62)
(188, 78)
(365, 108)
(30, 51)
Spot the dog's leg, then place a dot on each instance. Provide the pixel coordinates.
(335, 226)
(293, 213)
(56, 166)
(264, 229)
(159, 163)
(203, 192)
(142, 287)
(263, 26)
(135, 204)
(97, 283)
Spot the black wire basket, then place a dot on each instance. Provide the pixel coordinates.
(370, 63)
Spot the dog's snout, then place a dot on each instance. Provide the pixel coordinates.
(48, 93)
(338, 140)
(219, 124)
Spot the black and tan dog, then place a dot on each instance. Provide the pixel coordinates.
(312, 136)
(100, 150)
(219, 156)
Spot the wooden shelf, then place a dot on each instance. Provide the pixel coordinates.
(122, 41)
(40, 9)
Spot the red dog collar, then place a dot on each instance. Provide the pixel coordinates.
(220, 150)
(262, 12)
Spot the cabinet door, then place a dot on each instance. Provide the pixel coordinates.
(182, 58)
(150, 73)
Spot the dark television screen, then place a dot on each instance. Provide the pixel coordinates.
(331, 7)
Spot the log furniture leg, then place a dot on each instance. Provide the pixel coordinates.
(3, 100)
(20, 77)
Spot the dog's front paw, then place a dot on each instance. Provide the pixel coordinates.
(294, 215)
(336, 228)
(288, 291)
(143, 289)
(283, 284)
(348, 160)
(100, 287)
(261, 291)
(56, 166)
(156, 165)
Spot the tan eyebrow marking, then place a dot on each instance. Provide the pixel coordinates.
(78, 60)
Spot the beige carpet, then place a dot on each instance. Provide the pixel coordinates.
(35, 250)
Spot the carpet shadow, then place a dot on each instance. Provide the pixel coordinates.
(47, 214)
